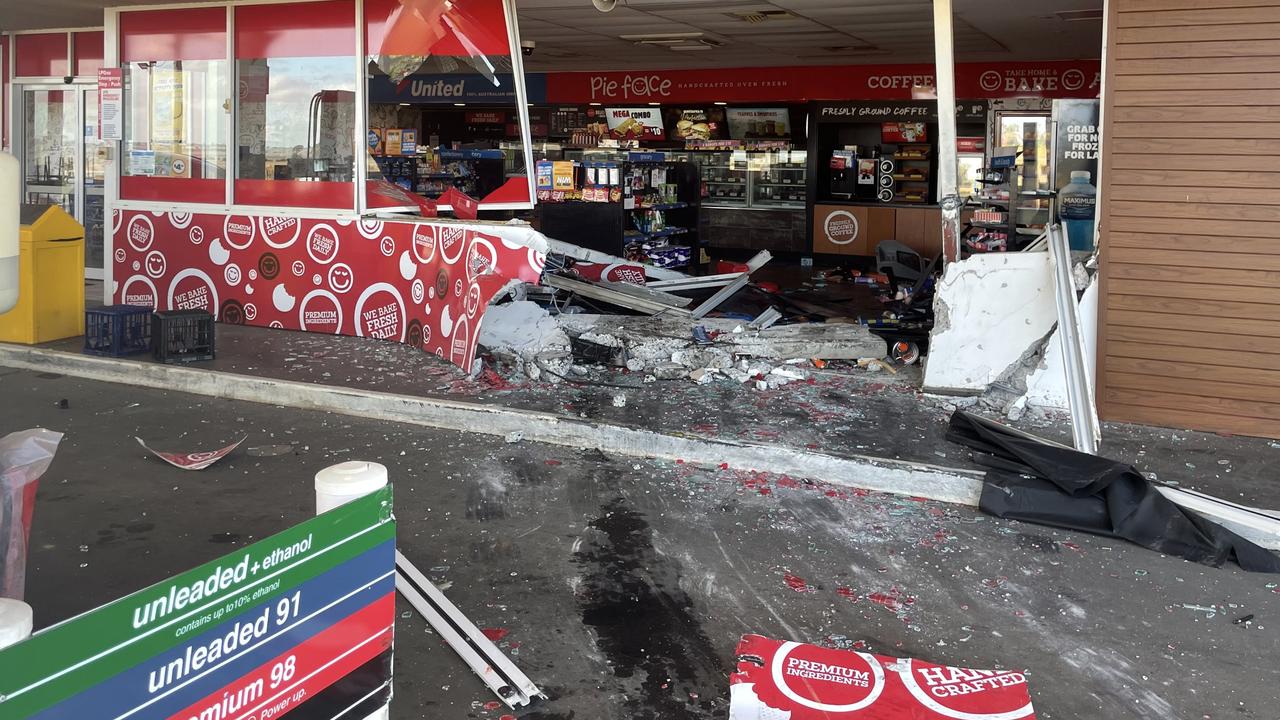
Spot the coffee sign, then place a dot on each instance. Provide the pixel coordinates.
(840, 227)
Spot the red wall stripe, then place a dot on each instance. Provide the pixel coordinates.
(189, 34)
(314, 29)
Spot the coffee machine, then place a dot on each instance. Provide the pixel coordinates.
(844, 172)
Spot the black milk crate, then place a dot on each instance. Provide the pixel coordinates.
(182, 336)
(117, 330)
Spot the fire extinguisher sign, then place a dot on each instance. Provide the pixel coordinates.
(259, 633)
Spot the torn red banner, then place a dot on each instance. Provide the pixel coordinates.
(464, 206)
(613, 272)
(195, 460)
(779, 680)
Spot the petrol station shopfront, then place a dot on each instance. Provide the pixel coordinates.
(237, 156)
(454, 116)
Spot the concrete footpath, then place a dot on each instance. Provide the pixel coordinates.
(621, 585)
(870, 430)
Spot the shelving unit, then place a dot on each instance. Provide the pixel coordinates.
(673, 209)
(996, 194)
(911, 173)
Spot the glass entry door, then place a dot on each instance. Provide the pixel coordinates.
(1029, 132)
(92, 197)
(50, 120)
(63, 162)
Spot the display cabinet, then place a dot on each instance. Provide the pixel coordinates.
(777, 178)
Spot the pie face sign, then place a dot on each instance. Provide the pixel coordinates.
(777, 679)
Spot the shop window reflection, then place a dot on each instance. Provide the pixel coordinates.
(443, 110)
(296, 119)
(175, 120)
(295, 109)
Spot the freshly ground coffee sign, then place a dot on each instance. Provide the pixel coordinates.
(259, 633)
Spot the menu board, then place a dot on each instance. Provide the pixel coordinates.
(635, 123)
(748, 123)
(564, 120)
(903, 132)
(696, 124)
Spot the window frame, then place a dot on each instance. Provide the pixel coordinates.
(359, 205)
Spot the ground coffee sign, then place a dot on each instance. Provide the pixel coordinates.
(301, 621)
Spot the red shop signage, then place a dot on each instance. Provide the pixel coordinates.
(486, 117)
(1051, 79)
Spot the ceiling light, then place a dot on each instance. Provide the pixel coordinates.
(597, 104)
(721, 103)
(756, 17)
(404, 104)
(459, 104)
(605, 5)
(662, 38)
(653, 103)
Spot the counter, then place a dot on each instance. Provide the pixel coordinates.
(759, 228)
(855, 228)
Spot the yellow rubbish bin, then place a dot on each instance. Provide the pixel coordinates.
(50, 278)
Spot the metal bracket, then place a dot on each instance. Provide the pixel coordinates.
(493, 667)
(1085, 429)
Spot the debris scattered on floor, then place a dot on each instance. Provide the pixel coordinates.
(474, 646)
(268, 450)
(1038, 481)
(193, 460)
(798, 681)
(593, 310)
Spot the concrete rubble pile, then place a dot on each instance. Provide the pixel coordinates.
(672, 338)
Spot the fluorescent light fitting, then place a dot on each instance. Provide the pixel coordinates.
(662, 36)
(459, 104)
(404, 104)
(690, 48)
(719, 102)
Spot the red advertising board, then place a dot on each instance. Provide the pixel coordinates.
(903, 132)
(424, 284)
(635, 123)
(1054, 79)
(486, 117)
(793, 680)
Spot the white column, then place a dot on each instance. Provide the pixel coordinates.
(15, 622)
(340, 484)
(945, 64)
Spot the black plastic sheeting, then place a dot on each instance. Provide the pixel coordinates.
(1042, 482)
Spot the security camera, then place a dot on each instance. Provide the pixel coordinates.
(527, 46)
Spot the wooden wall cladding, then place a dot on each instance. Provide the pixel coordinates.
(1189, 323)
